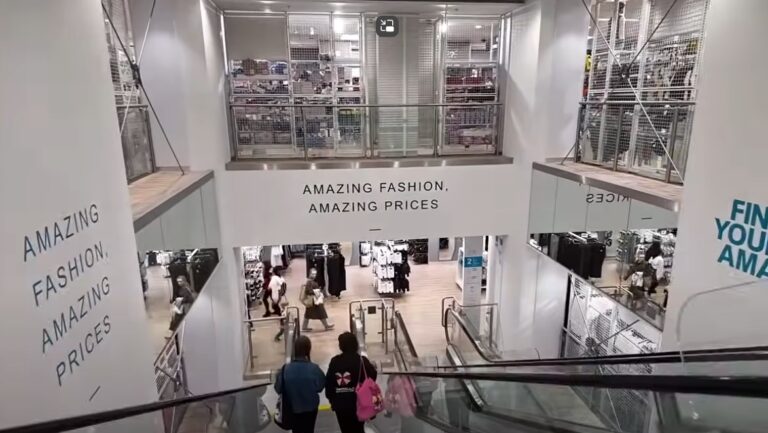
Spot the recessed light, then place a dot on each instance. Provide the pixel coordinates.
(267, 2)
(478, 26)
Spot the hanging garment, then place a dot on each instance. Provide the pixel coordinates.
(337, 274)
(597, 256)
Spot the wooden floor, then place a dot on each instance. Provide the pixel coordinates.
(662, 190)
(153, 190)
(420, 308)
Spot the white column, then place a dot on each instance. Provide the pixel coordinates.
(72, 323)
(542, 81)
(726, 163)
(472, 277)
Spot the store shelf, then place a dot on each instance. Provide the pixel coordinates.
(260, 77)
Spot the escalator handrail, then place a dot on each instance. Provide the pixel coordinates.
(751, 353)
(735, 386)
(487, 355)
(406, 335)
(81, 421)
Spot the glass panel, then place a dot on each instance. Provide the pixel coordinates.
(470, 129)
(404, 131)
(747, 323)
(268, 345)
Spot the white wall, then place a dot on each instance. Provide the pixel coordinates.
(726, 162)
(162, 68)
(542, 82)
(191, 223)
(212, 346)
(61, 153)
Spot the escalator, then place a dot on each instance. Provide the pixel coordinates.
(471, 389)
(679, 398)
(603, 408)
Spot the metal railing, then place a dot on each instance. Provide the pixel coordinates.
(358, 313)
(289, 321)
(486, 313)
(619, 136)
(327, 130)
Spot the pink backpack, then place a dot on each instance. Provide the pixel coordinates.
(369, 399)
(401, 396)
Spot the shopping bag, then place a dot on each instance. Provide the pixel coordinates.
(369, 399)
(401, 396)
(283, 410)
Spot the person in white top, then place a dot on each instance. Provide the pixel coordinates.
(276, 293)
(277, 290)
(654, 257)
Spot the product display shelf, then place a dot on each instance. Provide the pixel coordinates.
(471, 128)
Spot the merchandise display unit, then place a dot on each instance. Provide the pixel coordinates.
(470, 76)
(390, 267)
(322, 68)
(446, 60)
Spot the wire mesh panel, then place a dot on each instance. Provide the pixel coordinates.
(401, 71)
(311, 40)
(136, 140)
(262, 130)
(315, 128)
(470, 76)
(348, 85)
(132, 116)
(665, 70)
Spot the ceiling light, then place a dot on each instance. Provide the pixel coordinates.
(267, 2)
(478, 26)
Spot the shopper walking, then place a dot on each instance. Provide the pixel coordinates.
(300, 382)
(278, 300)
(345, 372)
(312, 298)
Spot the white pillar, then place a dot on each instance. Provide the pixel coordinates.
(472, 277)
(543, 77)
(726, 163)
(84, 347)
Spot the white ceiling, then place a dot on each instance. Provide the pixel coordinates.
(380, 7)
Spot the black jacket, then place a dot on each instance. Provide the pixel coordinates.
(344, 373)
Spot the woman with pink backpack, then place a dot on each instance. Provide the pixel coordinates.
(350, 385)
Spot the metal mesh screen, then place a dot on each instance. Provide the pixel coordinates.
(402, 71)
(595, 328)
(666, 70)
(470, 76)
(132, 116)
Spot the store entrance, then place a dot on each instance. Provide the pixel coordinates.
(350, 278)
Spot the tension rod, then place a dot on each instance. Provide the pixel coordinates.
(135, 70)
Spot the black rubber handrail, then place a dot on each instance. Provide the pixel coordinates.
(734, 386)
(750, 353)
(81, 421)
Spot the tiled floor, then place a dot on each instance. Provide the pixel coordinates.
(420, 308)
(158, 307)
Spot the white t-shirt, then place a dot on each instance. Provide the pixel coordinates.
(658, 264)
(274, 285)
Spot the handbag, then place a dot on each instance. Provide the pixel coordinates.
(369, 399)
(283, 409)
